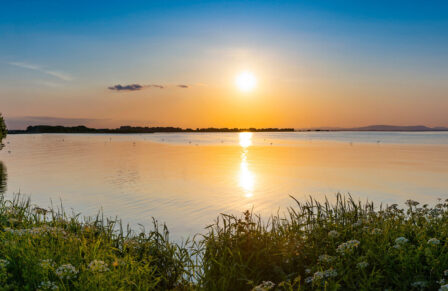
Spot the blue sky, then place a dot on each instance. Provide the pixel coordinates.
(67, 52)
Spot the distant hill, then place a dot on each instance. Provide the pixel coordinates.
(397, 128)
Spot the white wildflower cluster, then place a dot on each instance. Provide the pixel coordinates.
(47, 285)
(436, 212)
(264, 286)
(362, 265)
(66, 271)
(4, 263)
(325, 259)
(419, 284)
(47, 264)
(443, 287)
(318, 276)
(400, 241)
(412, 202)
(98, 266)
(347, 247)
(333, 234)
(433, 241)
(321, 275)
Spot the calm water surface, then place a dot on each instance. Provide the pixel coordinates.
(186, 180)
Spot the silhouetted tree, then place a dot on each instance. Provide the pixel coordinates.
(3, 130)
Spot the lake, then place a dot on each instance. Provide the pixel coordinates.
(188, 179)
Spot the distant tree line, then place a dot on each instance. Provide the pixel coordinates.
(136, 129)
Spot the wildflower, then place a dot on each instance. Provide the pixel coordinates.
(401, 240)
(347, 246)
(377, 231)
(47, 264)
(308, 280)
(330, 273)
(265, 285)
(318, 276)
(3, 263)
(115, 263)
(433, 241)
(66, 271)
(412, 203)
(443, 287)
(98, 266)
(325, 259)
(333, 234)
(419, 284)
(47, 285)
(362, 265)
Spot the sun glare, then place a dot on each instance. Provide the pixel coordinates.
(245, 139)
(246, 81)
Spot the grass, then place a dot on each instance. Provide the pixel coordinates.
(346, 245)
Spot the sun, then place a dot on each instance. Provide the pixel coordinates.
(246, 81)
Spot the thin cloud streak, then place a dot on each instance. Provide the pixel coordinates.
(137, 87)
(56, 74)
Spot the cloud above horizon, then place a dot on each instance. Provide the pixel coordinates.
(59, 75)
(131, 87)
(137, 87)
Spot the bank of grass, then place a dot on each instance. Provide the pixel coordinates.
(347, 245)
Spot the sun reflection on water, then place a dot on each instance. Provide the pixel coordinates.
(246, 177)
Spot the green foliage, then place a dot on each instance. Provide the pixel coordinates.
(345, 246)
(48, 248)
(3, 130)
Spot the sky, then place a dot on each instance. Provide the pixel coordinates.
(174, 63)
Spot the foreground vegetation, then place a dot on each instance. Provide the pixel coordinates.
(342, 246)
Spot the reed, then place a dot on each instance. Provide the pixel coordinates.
(345, 245)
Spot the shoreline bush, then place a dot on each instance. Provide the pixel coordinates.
(347, 245)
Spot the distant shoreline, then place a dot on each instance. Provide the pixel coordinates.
(132, 130)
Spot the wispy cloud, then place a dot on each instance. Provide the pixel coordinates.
(137, 87)
(56, 74)
(47, 83)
